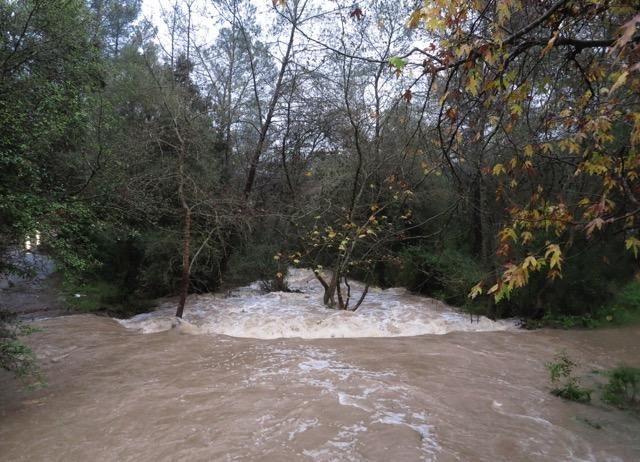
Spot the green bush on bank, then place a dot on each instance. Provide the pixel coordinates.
(623, 389)
(447, 274)
(103, 296)
(15, 356)
(622, 308)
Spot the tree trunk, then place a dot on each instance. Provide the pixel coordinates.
(186, 252)
(264, 129)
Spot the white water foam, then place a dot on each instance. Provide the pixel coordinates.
(249, 313)
(378, 402)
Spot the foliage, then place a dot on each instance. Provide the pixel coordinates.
(623, 388)
(499, 157)
(603, 303)
(624, 307)
(15, 356)
(565, 383)
(102, 296)
(522, 76)
(49, 70)
(446, 274)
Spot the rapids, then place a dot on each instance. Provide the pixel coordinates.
(248, 312)
(190, 393)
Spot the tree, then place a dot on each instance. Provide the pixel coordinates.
(369, 170)
(113, 23)
(563, 77)
(49, 71)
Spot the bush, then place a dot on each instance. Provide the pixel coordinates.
(256, 262)
(448, 274)
(15, 356)
(623, 389)
(593, 281)
(115, 300)
(624, 307)
(564, 382)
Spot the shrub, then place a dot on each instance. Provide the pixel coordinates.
(15, 356)
(624, 307)
(116, 300)
(255, 262)
(623, 389)
(448, 274)
(564, 382)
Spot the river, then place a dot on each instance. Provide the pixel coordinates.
(155, 389)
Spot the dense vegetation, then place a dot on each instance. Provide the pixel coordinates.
(460, 147)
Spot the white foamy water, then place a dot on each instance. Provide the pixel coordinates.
(372, 403)
(248, 312)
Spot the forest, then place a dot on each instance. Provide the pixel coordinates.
(482, 152)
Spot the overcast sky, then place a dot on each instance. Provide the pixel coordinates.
(203, 18)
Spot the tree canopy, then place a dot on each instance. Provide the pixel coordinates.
(461, 148)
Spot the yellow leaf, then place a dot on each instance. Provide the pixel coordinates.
(498, 169)
(508, 233)
(554, 254)
(531, 263)
(473, 84)
(528, 150)
(526, 237)
(632, 244)
(475, 291)
(619, 82)
(415, 18)
(504, 13)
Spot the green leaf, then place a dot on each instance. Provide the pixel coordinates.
(398, 63)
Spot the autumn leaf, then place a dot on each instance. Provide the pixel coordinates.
(498, 169)
(632, 244)
(531, 263)
(415, 19)
(554, 254)
(619, 82)
(627, 32)
(595, 224)
(475, 291)
(550, 43)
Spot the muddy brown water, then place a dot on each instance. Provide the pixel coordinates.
(120, 395)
